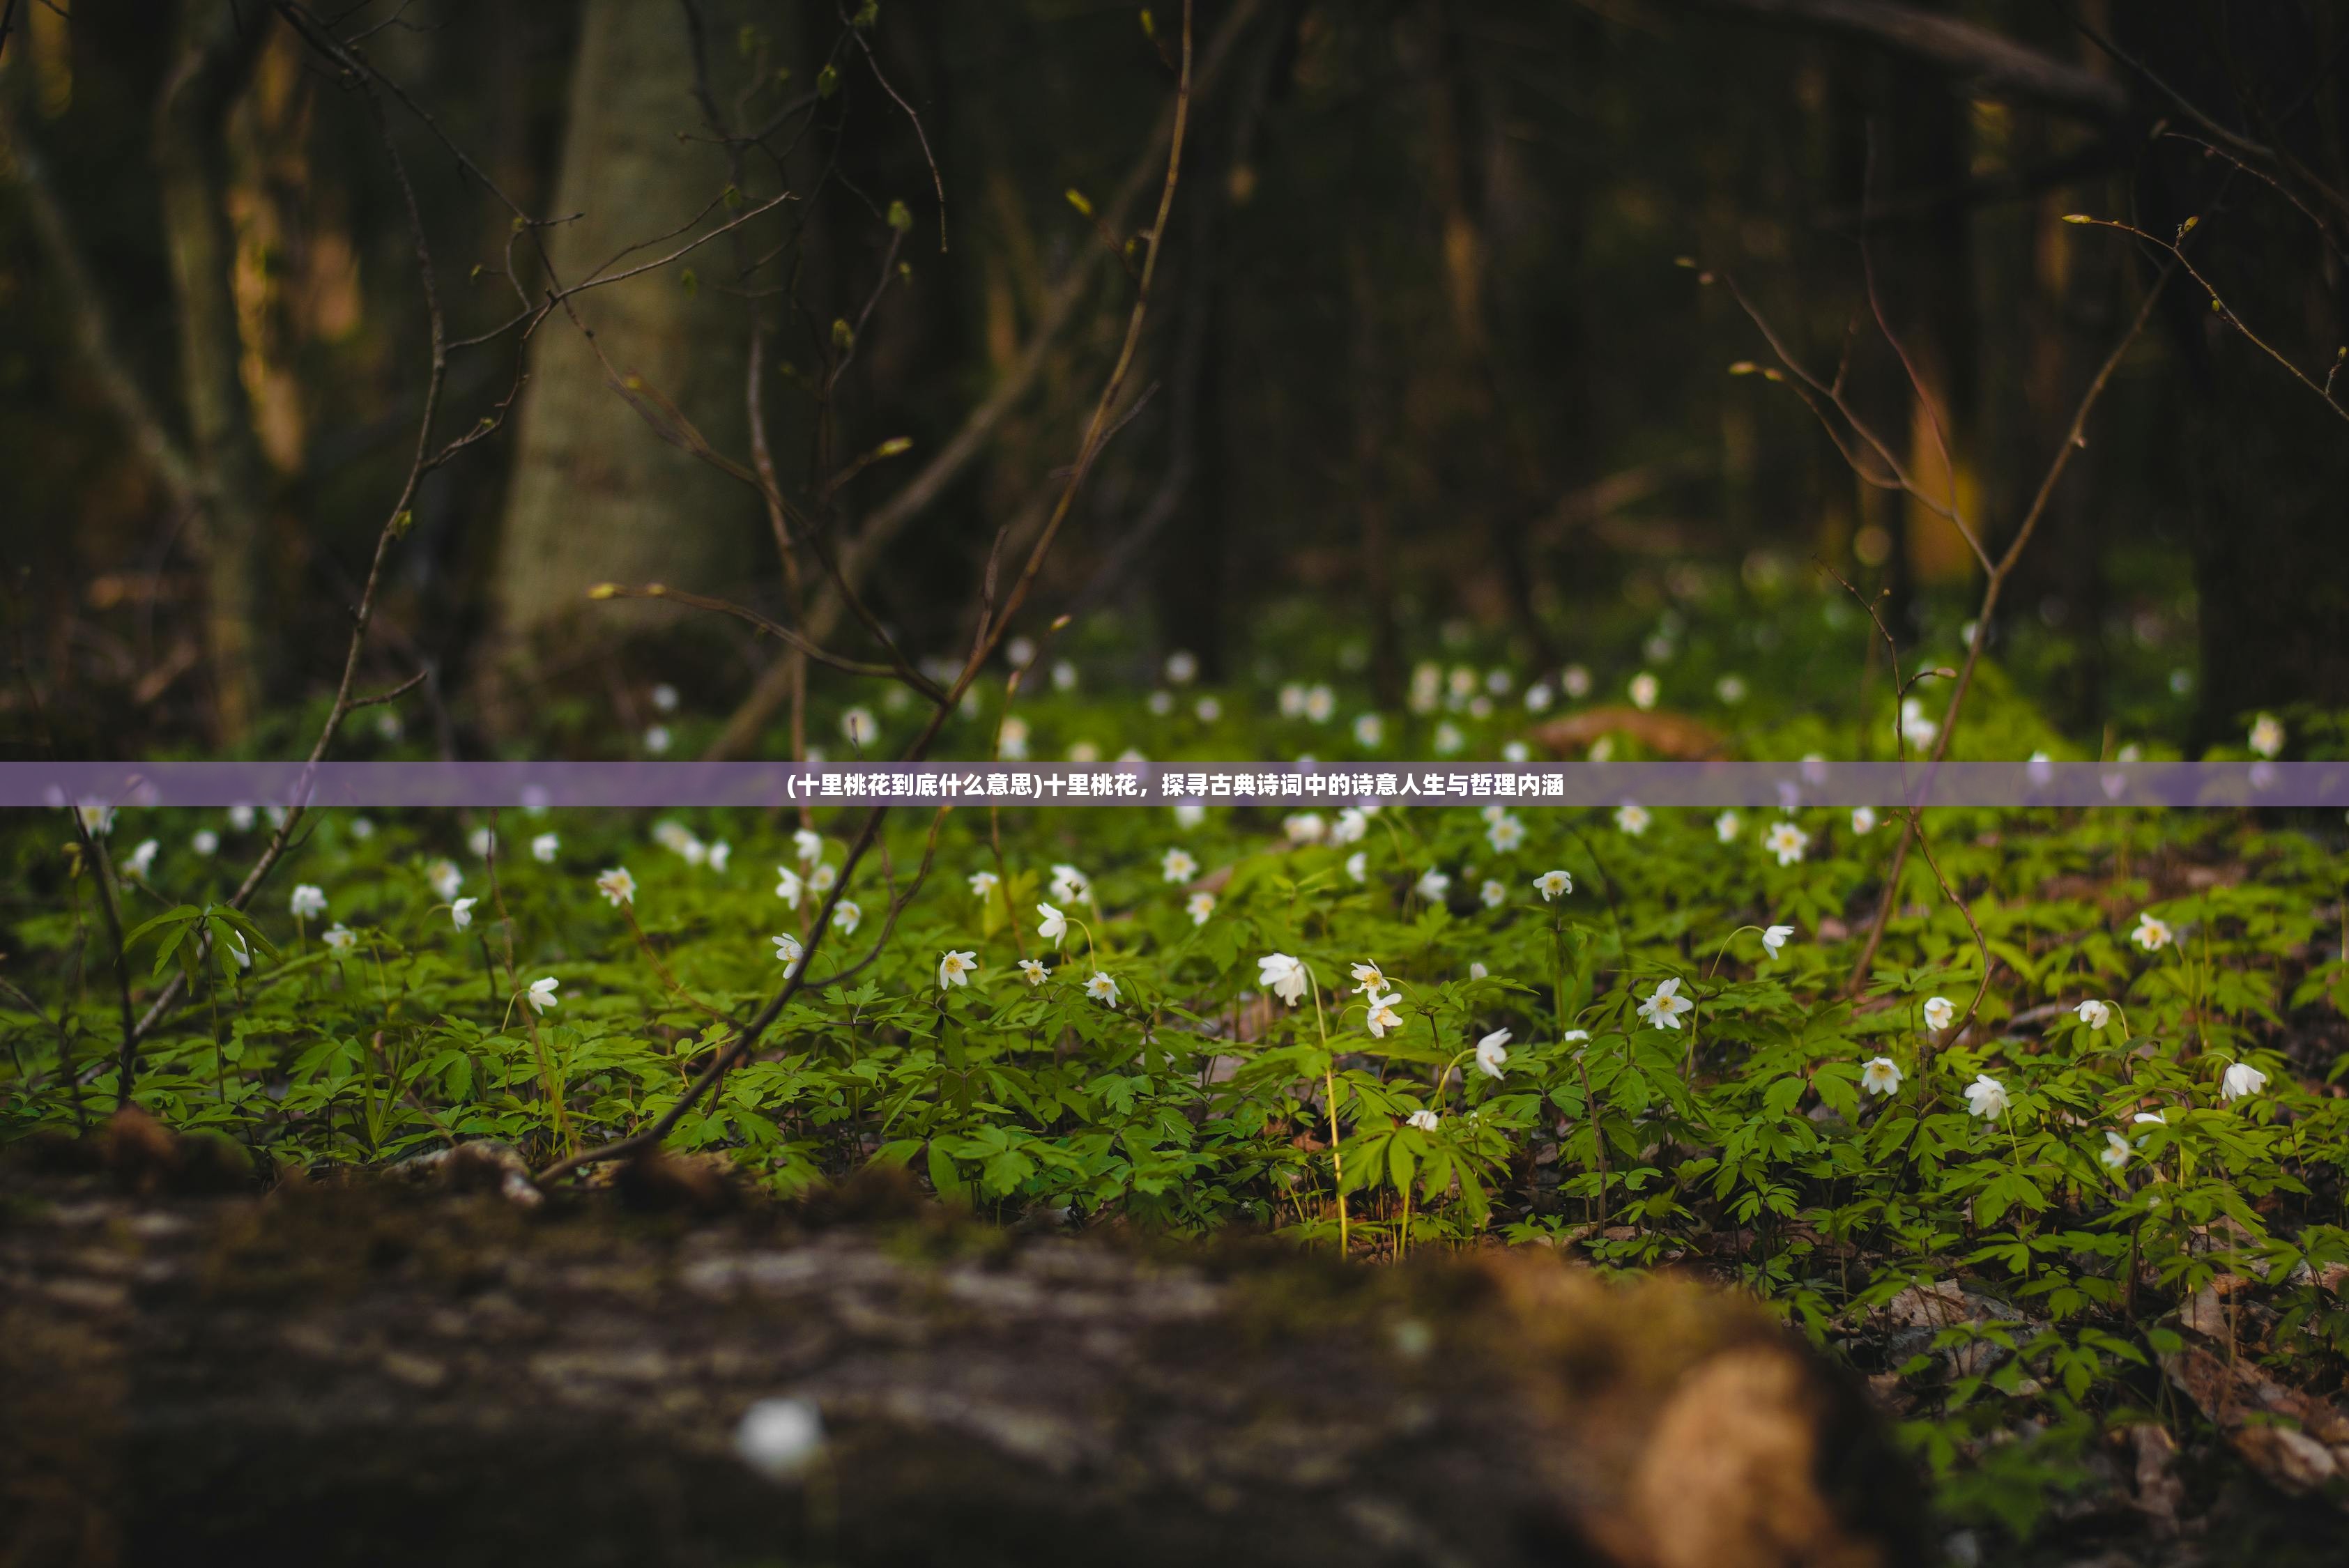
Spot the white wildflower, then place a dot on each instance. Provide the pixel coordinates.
(1358, 865)
(1433, 884)
(1177, 866)
(956, 968)
(543, 848)
(1284, 976)
(1102, 989)
(2115, 1152)
(1554, 884)
(788, 952)
(142, 860)
(1506, 834)
(2241, 1080)
(1379, 1013)
(1369, 729)
(308, 900)
(1492, 1053)
(2151, 934)
(1725, 827)
(1880, 1075)
(1423, 1121)
(787, 886)
(1863, 819)
(1664, 1007)
(846, 915)
(1493, 895)
(340, 938)
(2267, 736)
(983, 882)
(1033, 972)
(617, 886)
(1986, 1098)
(1053, 926)
(1304, 827)
(1787, 841)
(2096, 1014)
(780, 1438)
(445, 878)
(460, 914)
(1939, 1012)
(1773, 937)
(1631, 818)
(1645, 689)
(1199, 907)
(541, 995)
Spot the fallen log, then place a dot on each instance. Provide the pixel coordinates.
(383, 1372)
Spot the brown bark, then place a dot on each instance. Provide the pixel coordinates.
(213, 55)
(370, 1375)
(596, 495)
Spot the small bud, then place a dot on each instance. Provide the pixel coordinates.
(1077, 199)
(893, 446)
(604, 591)
(1149, 23)
(655, 590)
(1744, 367)
(827, 81)
(843, 334)
(2188, 226)
(691, 280)
(2077, 217)
(900, 217)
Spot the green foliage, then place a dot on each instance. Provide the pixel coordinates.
(1749, 1137)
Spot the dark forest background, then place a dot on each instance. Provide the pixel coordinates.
(1432, 341)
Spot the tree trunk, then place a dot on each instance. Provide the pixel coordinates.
(212, 58)
(366, 1375)
(598, 495)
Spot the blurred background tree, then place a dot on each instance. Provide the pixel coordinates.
(1430, 347)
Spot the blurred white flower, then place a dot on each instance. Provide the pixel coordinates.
(205, 842)
(1664, 1006)
(1160, 703)
(1349, 827)
(1189, 814)
(541, 995)
(1787, 841)
(1071, 884)
(1730, 690)
(2154, 1116)
(1425, 1120)
(956, 968)
(1379, 1013)
(1199, 907)
(1631, 818)
(820, 880)
(780, 1438)
(845, 914)
(1516, 751)
(657, 738)
(1369, 729)
(1292, 700)
(1102, 989)
(1880, 1075)
(1476, 970)
(1207, 709)
(481, 842)
(239, 950)
(1773, 937)
(1033, 972)
(1645, 689)
(1182, 666)
(460, 914)
(2267, 736)
(1358, 865)
(1019, 653)
(2096, 1014)
(981, 883)
(1554, 884)
(1538, 696)
(1863, 819)
(1986, 1098)
(1492, 1053)
(719, 853)
(2115, 1152)
(1304, 827)
(1939, 1012)
(2151, 934)
(808, 845)
(2241, 1080)
(1448, 738)
(1725, 827)
(1064, 675)
(1576, 680)
(340, 938)
(543, 847)
(240, 817)
(1320, 703)
(1053, 925)
(1012, 740)
(1433, 884)
(617, 886)
(1506, 834)
(1915, 727)
(1084, 752)
(788, 952)
(1426, 688)
(1284, 976)
(674, 836)
(1493, 895)
(445, 879)
(1177, 866)
(308, 900)
(141, 860)
(665, 697)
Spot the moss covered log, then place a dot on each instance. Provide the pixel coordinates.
(386, 1373)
